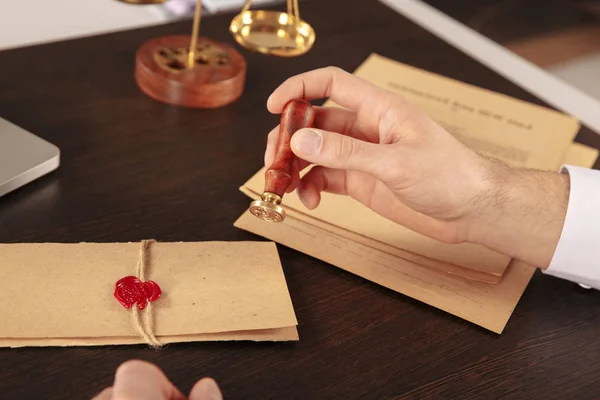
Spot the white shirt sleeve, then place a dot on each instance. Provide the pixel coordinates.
(577, 255)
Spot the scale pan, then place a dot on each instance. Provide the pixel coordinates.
(271, 32)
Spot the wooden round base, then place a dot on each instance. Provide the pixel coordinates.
(216, 77)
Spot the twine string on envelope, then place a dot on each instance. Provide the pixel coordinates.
(144, 323)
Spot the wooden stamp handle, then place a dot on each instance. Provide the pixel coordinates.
(296, 114)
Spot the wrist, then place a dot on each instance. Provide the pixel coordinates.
(520, 213)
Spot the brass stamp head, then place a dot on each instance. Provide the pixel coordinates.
(268, 208)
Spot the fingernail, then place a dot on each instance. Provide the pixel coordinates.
(307, 141)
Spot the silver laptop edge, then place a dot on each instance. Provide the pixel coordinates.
(24, 157)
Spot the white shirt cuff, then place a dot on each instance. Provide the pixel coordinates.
(577, 255)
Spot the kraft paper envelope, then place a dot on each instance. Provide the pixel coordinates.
(487, 305)
(346, 217)
(453, 269)
(520, 133)
(58, 294)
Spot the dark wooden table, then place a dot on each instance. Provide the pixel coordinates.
(133, 168)
(505, 21)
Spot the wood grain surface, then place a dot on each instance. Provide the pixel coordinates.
(133, 168)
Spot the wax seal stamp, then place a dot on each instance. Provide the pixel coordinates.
(130, 291)
(296, 114)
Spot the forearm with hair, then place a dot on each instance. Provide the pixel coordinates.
(521, 213)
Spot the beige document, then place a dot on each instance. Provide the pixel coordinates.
(487, 305)
(56, 294)
(518, 132)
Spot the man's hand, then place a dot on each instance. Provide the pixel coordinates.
(390, 156)
(140, 380)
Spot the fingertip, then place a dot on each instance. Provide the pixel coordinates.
(291, 188)
(270, 148)
(309, 195)
(302, 196)
(135, 365)
(206, 389)
(306, 143)
(270, 104)
(268, 159)
(143, 379)
(280, 96)
(273, 105)
(106, 394)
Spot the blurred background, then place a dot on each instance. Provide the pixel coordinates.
(561, 36)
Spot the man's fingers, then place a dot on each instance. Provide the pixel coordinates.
(137, 379)
(271, 146)
(337, 151)
(330, 119)
(271, 150)
(340, 86)
(298, 164)
(106, 394)
(371, 103)
(346, 122)
(141, 380)
(206, 389)
(320, 179)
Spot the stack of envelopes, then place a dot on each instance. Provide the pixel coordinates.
(469, 281)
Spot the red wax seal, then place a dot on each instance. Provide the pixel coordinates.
(130, 290)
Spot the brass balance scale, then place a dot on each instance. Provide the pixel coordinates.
(202, 73)
(195, 71)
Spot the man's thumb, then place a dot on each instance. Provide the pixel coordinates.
(333, 150)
